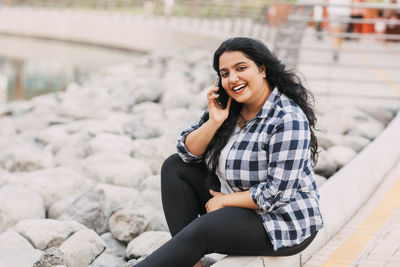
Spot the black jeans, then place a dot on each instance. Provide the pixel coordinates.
(230, 230)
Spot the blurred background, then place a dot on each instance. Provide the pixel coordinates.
(346, 49)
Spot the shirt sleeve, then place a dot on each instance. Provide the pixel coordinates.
(288, 149)
(183, 151)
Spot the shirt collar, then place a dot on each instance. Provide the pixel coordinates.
(269, 103)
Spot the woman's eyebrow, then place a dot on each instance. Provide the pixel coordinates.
(241, 62)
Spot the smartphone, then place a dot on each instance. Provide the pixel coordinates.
(223, 97)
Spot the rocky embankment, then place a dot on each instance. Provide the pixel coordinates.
(79, 170)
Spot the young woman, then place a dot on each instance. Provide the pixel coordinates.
(246, 169)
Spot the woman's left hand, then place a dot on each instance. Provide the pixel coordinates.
(216, 202)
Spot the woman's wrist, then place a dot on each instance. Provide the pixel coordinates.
(213, 124)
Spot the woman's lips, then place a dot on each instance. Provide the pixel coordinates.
(241, 90)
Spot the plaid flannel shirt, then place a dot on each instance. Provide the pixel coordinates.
(271, 159)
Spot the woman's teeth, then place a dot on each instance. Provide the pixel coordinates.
(239, 89)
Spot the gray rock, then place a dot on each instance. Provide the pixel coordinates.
(20, 156)
(326, 141)
(56, 136)
(133, 262)
(335, 123)
(116, 247)
(127, 223)
(91, 209)
(17, 204)
(117, 195)
(107, 259)
(82, 248)
(342, 155)
(53, 184)
(73, 151)
(151, 183)
(60, 206)
(380, 114)
(20, 107)
(369, 129)
(178, 95)
(50, 257)
(82, 108)
(157, 150)
(46, 233)
(111, 123)
(139, 127)
(7, 127)
(16, 250)
(146, 243)
(326, 165)
(148, 90)
(149, 197)
(116, 169)
(106, 142)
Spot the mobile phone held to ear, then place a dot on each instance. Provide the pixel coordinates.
(223, 97)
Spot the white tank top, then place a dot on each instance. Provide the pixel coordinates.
(221, 168)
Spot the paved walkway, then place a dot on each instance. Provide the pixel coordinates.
(372, 237)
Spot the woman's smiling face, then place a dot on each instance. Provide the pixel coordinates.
(241, 78)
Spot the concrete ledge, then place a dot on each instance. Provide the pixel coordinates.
(341, 196)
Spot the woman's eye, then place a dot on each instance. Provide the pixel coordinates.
(223, 75)
(241, 68)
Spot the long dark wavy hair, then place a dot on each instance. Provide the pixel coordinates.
(277, 76)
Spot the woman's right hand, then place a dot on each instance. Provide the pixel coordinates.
(217, 114)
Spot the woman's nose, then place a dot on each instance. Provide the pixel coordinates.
(233, 78)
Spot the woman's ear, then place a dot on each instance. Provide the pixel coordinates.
(263, 71)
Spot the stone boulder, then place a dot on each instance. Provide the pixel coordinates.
(56, 136)
(82, 248)
(60, 206)
(342, 154)
(146, 243)
(117, 195)
(20, 156)
(50, 257)
(47, 233)
(127, 223)
(91, 209)
(326, 165)
(114, 246)
(107, 259)
(148, 90)
(116, 169)
(52, 184)
(357, 143)
(151, 183)
(17, 204)
(106, 142)
(153, 151)
(73, 151)
(369, 129)
(16, 250)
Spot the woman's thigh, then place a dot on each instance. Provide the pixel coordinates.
(230, 230)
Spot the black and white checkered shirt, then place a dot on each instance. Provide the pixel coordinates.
(271, 158)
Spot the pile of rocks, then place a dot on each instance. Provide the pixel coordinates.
(79, 170)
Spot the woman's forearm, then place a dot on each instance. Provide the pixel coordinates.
(240, 199)
(198, 140)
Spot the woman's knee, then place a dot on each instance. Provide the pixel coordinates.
(197, 230)
(171, 162)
